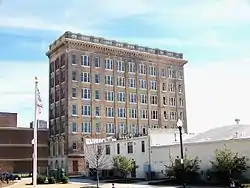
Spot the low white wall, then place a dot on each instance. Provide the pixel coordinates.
(204, 150)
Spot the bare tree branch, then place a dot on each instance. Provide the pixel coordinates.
(95, 153)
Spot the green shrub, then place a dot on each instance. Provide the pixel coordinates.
(51, 180)
(65, 179)
(41, 179)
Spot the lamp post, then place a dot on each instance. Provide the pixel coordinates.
(179, 125)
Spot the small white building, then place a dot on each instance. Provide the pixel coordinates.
(136, 148)
(153, 152)
(234, 137)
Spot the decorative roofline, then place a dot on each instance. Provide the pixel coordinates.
(112, 43)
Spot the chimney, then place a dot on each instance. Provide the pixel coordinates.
(237, 121)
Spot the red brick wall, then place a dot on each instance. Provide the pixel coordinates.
(23, 166)
(22, 152)
(8, 119)
(15, 143)
(22, 136)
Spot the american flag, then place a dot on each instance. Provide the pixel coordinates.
(39, 102)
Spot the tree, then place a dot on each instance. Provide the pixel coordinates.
(123, 165)
(95, 155)
(191, 167)
(6, 167)
(228, 164)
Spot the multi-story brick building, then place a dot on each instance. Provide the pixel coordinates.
(105, 86)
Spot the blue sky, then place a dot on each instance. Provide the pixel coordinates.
(213, 35)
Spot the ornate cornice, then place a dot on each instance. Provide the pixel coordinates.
(114, 48)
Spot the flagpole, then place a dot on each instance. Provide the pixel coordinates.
(35, 138)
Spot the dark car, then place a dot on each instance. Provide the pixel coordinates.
(10, 176)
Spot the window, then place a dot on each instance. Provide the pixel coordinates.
(109, 112)
(74, 145)
(97, 127)
(132, 97)
(108, 64)
(120, 81)
(153, 85)
(163, 73)
(142, 84)
(97, 111)
(144, 130)
(181, 102)
(85, 77)
(110, 128)
(132, 113)
(118, 148)
(86, 93)
(143, 146)
(164, 100)
(121, 96)
(173, 116)
(107, 149)
(99, 150)
(144, 114)
(164, 87)
(120, 67)
(152, 71)
(165, 115)
(74, 92)
(131, 67)
(181, 115)
(153, 99)
(86, 127)
(142, 69)
(86, 110)
(121, 112)
(154, 114)
(74, 61)
(143, 99)
(171, 87)
(131, 82)
(172, 101)
(97, 94)
(97, 78)
(74, 76)
(171, 73)
(180, 88)
(74, 109)
(74, 127)
(109, 96)
(85, 60)
(109, 80)
(122, 128)
(180, 74)
(97, 62)
(130, 147)
(133, 129)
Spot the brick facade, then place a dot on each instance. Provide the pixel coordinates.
(8, 119)
(16, 149)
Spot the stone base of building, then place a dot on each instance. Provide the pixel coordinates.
(76, 166)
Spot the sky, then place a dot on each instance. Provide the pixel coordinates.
(213, 35)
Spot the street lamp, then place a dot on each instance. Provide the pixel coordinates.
(179, 125)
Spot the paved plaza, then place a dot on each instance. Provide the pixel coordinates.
(78, 183)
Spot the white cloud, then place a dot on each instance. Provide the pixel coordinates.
(17, 88)
(217, 92)
(76, 17)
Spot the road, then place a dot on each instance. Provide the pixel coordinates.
(78, 183)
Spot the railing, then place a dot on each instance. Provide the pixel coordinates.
(114, 43)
